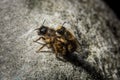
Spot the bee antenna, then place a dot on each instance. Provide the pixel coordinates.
(42, 25)
(43, 22)
(64, 23)
(36, 29)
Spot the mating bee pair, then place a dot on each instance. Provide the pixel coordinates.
(61, 41)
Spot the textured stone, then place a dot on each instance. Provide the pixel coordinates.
(91, 21)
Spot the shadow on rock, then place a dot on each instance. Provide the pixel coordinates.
(79, 61)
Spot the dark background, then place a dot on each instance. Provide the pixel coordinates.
(114, 5)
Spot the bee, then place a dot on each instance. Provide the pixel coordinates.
(52, 40)
(61, 41)
(71, 42)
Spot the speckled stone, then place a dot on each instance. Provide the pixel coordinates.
(91, 21)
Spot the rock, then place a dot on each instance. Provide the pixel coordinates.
(91, 21)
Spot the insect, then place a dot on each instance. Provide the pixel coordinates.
(52, 40)
(72, 43)
(61, 41)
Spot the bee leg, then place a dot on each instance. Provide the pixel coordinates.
(57, 54)
(41, 48)
(61, 59)
(48, 46)
(55, 51)
(46, 51)
(40, 43)
(39, 39)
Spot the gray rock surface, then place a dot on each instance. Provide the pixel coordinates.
(91, 21)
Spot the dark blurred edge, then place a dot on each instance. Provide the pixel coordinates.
(114, 5)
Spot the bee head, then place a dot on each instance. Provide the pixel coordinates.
(42, 30)
(61, 30)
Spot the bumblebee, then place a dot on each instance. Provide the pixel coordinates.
(71, 42)
(61, 41)
(52, 40)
